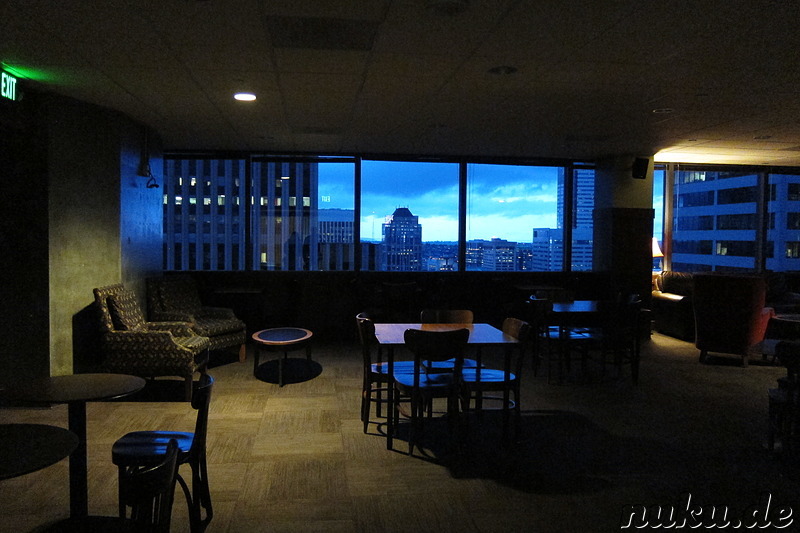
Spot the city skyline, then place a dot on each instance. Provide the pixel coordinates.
(504, 201)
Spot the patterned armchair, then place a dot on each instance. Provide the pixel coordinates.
(177, 298)
(131, 345)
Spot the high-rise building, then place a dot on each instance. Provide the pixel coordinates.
(548, 243)
(401, 249)
(548, 249)
(285, 215)
(499, 255)
(716, 221)
(205, 223)
(474, 254)
(204, 214)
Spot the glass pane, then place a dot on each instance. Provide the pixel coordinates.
(204, 214)
(783, 234)
(303, 215)
(714, 220)
(583, 219)
(512, 218)
(658, 215)
(409, 216)
(336, 218)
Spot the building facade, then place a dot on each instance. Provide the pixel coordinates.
(401, 249)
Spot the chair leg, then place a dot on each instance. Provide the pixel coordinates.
(202, 493)
(366, 400)
(194, 518)
(242, 353)
(187, 387)
(122, 511)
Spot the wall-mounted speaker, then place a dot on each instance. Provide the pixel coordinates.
(639, 168)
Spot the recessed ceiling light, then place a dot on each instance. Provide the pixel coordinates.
(663, 110)
(762, 137)
(244, 97)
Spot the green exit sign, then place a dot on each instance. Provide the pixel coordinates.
(8, 86)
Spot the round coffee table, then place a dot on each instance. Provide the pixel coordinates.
(281, 340)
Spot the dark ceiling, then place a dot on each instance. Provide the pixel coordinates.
(707, 80)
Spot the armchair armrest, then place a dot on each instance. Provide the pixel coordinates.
(668, 296)
(760, 330)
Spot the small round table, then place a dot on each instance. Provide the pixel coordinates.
(281, 340)
(26, 448)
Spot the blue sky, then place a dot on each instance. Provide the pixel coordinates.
(503, 201)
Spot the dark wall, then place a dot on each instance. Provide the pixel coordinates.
(67, 169)
(327, 302)
(24, 320)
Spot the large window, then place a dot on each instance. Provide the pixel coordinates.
(303, 215)
(345, 213)
(783, 233)
(735, 219)
(512, 218)
(409, 215)
(204, 214)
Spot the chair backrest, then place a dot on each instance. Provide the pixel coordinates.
(148, 492)
(621, 319)
(173, 293)
(446, 316)
(514, 327)
(728, 311)
(437, 346)
(536, 311)
(520, 330)
(366, 330)
(201, 399)
(118, 308)
(367, 338)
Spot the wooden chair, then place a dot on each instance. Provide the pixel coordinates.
(552, 344)
(375, 371)
(145, 500)
(446, 316)
(619, 337)
(429, 381)
(450, 316)
(141, 448)
(478, 381)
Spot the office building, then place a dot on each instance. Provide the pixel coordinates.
(401, 248)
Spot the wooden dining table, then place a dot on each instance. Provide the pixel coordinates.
(393, 335)
(75, 390)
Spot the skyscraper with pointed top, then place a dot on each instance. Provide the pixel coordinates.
(401, 250)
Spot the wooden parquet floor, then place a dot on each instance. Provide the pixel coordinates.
(295, 458)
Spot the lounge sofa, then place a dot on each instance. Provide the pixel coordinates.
(672, 305)
(673, 301)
